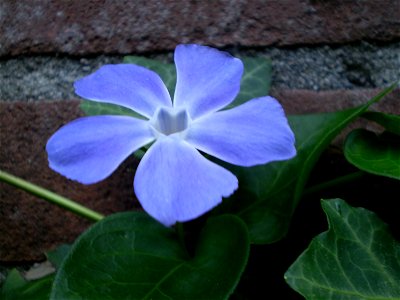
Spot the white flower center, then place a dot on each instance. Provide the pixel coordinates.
(170, 120)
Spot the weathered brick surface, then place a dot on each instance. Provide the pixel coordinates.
(30, 226)
(308, 101)
(101, 26)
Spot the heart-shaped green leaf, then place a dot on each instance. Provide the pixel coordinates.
(389, 121)
(356, 258)
(375, 154)
(269, 193)
(131, 256)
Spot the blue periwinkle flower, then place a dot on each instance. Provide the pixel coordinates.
(174, 181)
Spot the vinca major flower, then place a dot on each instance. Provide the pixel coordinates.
(174, 181)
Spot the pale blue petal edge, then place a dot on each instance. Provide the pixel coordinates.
(89, 149)
(253, 133)
(175, 183)
(128, 85)
(207, 79)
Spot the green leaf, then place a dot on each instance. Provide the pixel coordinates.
(389, 121)
(375, 154)
(268, 194)
(255, 83)
(356, 258)
(16, 287)
(131, 256)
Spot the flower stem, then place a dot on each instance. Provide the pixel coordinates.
(333, 182)
(50, 196)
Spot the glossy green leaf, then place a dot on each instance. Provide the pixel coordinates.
(255, 83)
(268, 194)
(356, 258)
(389, 121)
(16, 287)
(131, 256)
(375, 154)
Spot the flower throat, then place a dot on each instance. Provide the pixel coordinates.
(168, 120)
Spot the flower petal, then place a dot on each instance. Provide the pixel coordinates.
(254, 133)
(89, 149)
(207, 79)
(127, 85)
(174, 182)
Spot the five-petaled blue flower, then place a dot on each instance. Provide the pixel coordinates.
(173, 181)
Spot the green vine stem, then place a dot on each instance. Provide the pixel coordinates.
(50, 197)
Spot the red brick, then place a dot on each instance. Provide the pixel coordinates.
(308, 101)
(95, 26)
(30, 226)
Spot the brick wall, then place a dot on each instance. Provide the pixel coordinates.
(85, 27)
(29, 28)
